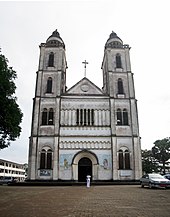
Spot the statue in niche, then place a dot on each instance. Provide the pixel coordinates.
(105, 164)
(65, 164)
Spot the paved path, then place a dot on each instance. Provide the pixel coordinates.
(79, 201)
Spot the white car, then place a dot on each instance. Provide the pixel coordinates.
(154, 180)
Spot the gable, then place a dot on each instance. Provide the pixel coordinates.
(85, 87)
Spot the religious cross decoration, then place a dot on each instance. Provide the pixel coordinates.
(85, 63)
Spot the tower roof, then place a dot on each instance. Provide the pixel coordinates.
(55, 40)
(114, 41)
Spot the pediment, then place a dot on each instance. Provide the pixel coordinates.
(85, 87)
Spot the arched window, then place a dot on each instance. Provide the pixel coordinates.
(120, 159)
(124, 159)
(125, 117)
(46, 158)
(51, 60)
(49, 85)
(118, 61)
(49, 159)
(120, 86)
(42, 159)
(127, 160)
(119, 117)
(47, 117)
(50, 116)
(44, 117)
(122, 117)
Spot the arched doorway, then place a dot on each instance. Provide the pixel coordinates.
(84, 169)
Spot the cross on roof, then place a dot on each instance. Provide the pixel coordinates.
(85, 63)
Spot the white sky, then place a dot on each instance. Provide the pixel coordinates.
(85, 27)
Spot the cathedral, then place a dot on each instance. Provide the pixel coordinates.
(84, 130)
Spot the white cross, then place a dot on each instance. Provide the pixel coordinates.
(85, 63)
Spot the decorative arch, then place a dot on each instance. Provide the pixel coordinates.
(85, 154)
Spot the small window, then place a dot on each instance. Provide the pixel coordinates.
(49, 159)
(127, 160)
(119, 117)
(118, 61)
(50, 117)
(44, 117)
(51, 60)
(42, 159)
(88, 116)
(120, 159)
(49, 85)
(77, 117)
(84, 117)
(81, 116)
(92, 116)
(120, 86)
(125, 117)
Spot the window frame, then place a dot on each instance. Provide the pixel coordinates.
(51, 60)
(124, 159)
(118, 61)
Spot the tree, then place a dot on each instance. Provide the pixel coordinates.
(10, 113)
(149, 163)
(161, 151)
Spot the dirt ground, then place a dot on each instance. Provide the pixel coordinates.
(79, 201)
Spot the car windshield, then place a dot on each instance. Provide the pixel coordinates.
(155, 176)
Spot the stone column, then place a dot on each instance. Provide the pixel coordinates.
(32, 159)
(137, 159)
(114, 160)
(55, 159)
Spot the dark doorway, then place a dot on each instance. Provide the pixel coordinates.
(84, 169)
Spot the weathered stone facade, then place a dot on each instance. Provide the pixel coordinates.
(84, 130)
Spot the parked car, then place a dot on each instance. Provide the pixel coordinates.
(7, 180)
(154, 180)
(167, 176)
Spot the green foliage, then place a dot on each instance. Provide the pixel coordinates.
(149, 164)
(161, 151)
(10, 113)
(157, 158)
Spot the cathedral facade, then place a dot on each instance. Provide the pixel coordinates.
(84, 130)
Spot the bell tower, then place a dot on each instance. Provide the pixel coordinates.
(50, 85)
(118, 84)
(117, 76)
(52, 66)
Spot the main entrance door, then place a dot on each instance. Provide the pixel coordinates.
(84, 169)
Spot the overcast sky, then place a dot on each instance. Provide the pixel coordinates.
(85, 27)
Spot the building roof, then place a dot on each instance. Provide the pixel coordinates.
(55, 40)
